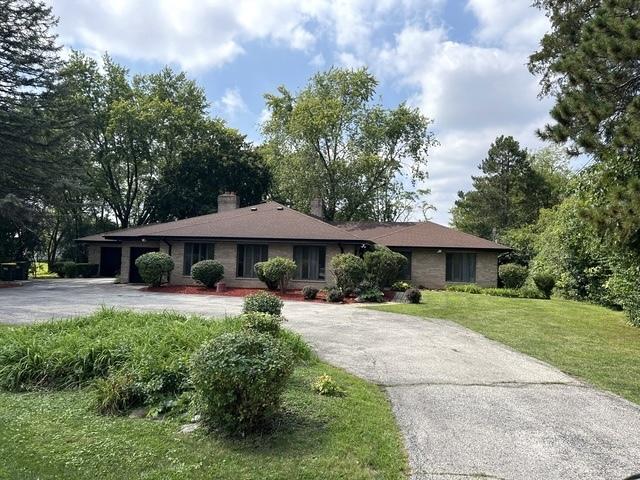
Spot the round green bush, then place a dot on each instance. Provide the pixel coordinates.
(154, 267)
(207, 272)
(309, 292)
(372, 294)
(513, 275)
(259, 269)
(334, 295)
(412, 295)
(383, 265)
(239, 379)
(348, 270)
(260, 322)
(263, 302)
(545, 283)
(278, 271)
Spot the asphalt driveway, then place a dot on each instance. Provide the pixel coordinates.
(468, 407)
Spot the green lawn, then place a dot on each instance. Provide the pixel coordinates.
(586, 341)
(57, 433)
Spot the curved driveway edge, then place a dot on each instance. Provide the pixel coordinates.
(468, 407)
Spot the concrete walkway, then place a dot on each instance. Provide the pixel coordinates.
(468, 407)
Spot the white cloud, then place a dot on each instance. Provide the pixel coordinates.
(231, 102)
(192, 33)
(473, 90)
(318, 61)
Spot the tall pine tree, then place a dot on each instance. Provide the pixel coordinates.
(509, 194)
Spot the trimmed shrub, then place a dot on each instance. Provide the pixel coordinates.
(309, 292)
(370, 293)
(349, 271)
(239, 379)
(513, 275)
(259, 269)
(68, 269)
(413, 295)
(264, 302)
(400, 286)
(154, 267)
(325, 385)
(466, 288)
(87, 270)
(334, 295)
(278, 271)
(383, 266)
(260, 322)
(545, 282)
(207, 272)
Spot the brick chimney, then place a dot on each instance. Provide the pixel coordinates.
(316, 208)
(228, 201)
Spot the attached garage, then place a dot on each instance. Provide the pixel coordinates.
(110, 261)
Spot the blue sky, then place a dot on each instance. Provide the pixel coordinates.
(462, 62)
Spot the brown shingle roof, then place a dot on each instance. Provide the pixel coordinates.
(269, 220)
(418, 234)
(98, 237)
(273, 221)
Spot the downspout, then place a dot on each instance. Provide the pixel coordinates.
(169, 245)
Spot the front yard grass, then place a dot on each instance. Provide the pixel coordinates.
(587, 341)
(56, 432)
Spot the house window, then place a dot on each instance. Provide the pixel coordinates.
(461, 267)
(248, 256)
(405, 273)
(194, 252)
(310, 262)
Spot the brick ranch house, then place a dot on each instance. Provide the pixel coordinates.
(240, 237)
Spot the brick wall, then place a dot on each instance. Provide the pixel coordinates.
(226, 254)
(428, 268)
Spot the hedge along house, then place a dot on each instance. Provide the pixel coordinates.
(240, 237)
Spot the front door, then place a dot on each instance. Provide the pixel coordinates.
(134, 274)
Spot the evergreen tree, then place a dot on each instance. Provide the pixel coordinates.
(509, 194)
(29, 126)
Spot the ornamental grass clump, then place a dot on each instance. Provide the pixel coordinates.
(239, 379)
(130, 359)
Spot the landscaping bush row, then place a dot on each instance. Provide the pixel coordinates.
(74, 269)
(524, 292)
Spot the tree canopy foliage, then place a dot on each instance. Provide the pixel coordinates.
(332, 141)
(513, 188)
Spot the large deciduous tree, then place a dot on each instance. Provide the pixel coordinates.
(221, 161)
(332, 141)
(132, 128)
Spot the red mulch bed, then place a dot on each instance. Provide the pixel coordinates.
(231, 292)
(243, 292)
(10, 285)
